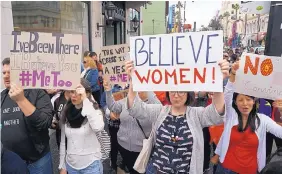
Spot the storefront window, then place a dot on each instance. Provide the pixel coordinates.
(68, 17)
(115, 34)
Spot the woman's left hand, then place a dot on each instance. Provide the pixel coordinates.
(278, 104)
(80, 90)
(224, 67)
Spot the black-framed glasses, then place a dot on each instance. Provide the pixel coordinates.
(179, 93)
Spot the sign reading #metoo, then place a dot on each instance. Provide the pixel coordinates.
(46, 60)
(113, 59)
(177, 62)
(259, 76)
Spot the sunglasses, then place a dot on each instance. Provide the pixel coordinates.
(84, 62)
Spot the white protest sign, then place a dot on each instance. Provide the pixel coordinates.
(177, 62)
(46, 60)
(113, 58)
(255, 7)
(259, 76)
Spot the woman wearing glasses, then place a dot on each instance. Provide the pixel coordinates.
(91, 74)
(177, 137)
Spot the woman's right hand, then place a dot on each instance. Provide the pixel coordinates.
(63, 171)
(235, 67)
(107, 85)
(129, 66)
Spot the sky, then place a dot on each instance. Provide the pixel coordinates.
(201, 11)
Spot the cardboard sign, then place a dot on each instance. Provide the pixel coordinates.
(177, 62)
(113, 59)
(120, 95)
(260, 76)
(46, 60)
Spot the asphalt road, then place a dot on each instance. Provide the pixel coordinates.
(55, 155)
(106, 164)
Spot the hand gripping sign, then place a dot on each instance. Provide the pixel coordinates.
(177, 62)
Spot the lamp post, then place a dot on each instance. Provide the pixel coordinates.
(135, 23)
(110, 11)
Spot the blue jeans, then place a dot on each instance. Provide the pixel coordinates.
(42, 166)
(95, 168)
(150, 168)
(221, 170)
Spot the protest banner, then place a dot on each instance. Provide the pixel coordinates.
(113, 58)
(255, 7)
(177, 62)
(46, 60)
(259, 76)
(120, 95)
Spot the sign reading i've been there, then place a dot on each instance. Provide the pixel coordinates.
(46, 60)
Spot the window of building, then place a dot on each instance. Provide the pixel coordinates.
(30, 17)
(115, 34)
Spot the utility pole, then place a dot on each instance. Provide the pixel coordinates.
(153, 26)
(273, 44)
(184, 12)
(258, 27)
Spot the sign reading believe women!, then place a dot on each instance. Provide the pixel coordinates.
(46, 60)
(177, 62)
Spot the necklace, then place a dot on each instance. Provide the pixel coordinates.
(175, 131)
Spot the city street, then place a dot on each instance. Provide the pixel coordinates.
(106, 164)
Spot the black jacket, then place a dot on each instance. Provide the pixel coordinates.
(40, 121)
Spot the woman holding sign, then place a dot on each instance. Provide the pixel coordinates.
(176, 142)
(80, 124)
(242, 147)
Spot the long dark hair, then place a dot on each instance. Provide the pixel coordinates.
(69, 104)
(251, 118)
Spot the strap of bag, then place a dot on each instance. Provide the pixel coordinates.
(141, 128)
(86, 74)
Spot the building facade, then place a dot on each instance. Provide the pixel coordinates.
(87, 18)
(249, 28)
(153, 18)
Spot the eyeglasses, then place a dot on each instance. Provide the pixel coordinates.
(179, 93)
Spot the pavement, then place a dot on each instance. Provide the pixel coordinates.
(106, 163)
(55, 157)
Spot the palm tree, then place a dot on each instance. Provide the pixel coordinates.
(179, 5)
(236, 7)
(226, 15)
(203, 28)
(215, 24)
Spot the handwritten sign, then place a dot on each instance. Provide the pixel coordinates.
(260, 76)
(120, 95)
(113, 59)
(46, 60)
(177, 62)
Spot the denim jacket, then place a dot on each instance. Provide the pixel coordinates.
(92, 76)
